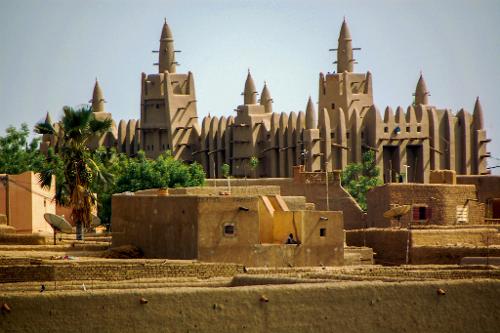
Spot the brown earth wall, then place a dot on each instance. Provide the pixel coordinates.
(468, 306)
(442, 199)
(112, 272)
(339, 199)
(161, 226)
(426, 246)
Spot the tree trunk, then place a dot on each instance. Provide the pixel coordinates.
(79, 230)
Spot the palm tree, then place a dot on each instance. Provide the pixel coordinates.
(76, 128)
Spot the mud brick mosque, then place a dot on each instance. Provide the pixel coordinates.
(346, 124)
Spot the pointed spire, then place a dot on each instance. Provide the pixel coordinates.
(265, 99)
(97, 98)
(368, 84)
(48, 119)
(250, 92)
(166, 54)
(345, 60)
(477, 115)
(310, 114)
(421, 93)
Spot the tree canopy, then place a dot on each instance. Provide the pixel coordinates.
(139, 173)
(359, 178)
(17, 153)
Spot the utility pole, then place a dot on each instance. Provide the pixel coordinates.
(5, 180)
(326, 179)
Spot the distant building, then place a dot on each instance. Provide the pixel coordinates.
(407, 143)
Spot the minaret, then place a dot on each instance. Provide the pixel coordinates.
(421, 93)
(477, 115)
(97, 98)
(345, 60)
(250, 92)
(310, 114)
(48, 119)
(166, 54)
(266, 100)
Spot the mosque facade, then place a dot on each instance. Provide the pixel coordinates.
(346, 123)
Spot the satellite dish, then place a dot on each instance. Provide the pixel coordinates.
(397, 212)
(96, 221)
(58, 223)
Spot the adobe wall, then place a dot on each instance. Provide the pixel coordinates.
(441, 198)
(468, 306)
(215, 212)
(28, 203)
(488, 186)
(113, 270)
(313, 191)
(161, 226)
(447, 246)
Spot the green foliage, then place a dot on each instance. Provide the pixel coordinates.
(359, 178)
(139, 173)
(226, 170)
(17, 154)
(254, 162)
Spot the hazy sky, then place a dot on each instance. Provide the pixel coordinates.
(51, 51)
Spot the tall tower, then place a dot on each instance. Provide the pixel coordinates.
(168, 106)
(345, 90)
(249, 127)
(421, 93)
(345, 59)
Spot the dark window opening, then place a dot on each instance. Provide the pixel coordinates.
(362, 135)
(333, 106)
(322, 232)
(386, 129)
(408, 128)
(157, 106)
(332, 135)
(347, 135)
(422, 213)
(419, 129)
(229, 230)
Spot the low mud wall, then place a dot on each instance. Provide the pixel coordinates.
(427, 246)
(466, 306)
(119, 270)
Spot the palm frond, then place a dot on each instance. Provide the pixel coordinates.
(45, 128)
(100, 126)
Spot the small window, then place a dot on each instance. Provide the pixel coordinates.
(229, 229)
(157, 106)
(386, 129)
(419, 129)
(362, 135)
(332, 135)
(347, 135)
(407, 128)
(322, 232)
(421, 213)
(333, 106)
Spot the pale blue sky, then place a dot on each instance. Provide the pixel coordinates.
(52, 50)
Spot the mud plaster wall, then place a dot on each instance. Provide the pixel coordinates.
(442, 199)
(468, 306)
(113, 272)
(448, 246)
(161, 226)
(315, 192)
(487, 186)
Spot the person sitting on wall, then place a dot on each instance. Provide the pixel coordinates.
(290, 240)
